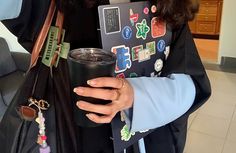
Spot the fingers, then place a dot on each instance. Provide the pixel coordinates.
(96, 108)
(105, 94)
(100, 119)
(107, 82)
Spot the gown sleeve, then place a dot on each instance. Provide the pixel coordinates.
(27, 25)
(184, 58)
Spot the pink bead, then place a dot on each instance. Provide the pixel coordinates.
(44, 137)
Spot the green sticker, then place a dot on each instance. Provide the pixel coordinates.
(142, 29)
(126, 134)
(152, 47)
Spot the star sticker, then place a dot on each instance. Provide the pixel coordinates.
(142, 29)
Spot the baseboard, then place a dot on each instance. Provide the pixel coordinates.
(228, 64)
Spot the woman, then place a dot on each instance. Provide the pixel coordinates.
(164, 102)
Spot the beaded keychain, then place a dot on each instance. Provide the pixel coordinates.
(41, 105)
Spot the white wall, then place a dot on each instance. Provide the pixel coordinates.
(227, 44)
(11, 39)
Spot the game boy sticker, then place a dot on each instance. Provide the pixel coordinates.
(158, 28)
(135, 52)
(143, 55)
(123, 61)
(112, 20)
(126, 32)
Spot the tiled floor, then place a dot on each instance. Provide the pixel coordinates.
(212, 129)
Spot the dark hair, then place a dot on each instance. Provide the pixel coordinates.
(174, 12)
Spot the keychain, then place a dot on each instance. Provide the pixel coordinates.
(41, 105)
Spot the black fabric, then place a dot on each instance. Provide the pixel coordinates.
(19, 136)
(100, 142)
(27, 26)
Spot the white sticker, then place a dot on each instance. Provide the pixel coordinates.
(167, 51)
(158, 65)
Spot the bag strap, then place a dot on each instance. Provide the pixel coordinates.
(44, 31)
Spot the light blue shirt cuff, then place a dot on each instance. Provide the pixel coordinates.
(159, 100)
(10, 9)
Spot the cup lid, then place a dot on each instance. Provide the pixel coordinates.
(92, 56)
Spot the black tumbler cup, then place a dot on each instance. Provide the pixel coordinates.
(85, 64)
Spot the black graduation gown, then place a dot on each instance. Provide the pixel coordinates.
(81, 31)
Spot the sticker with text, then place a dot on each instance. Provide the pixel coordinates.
(123, 61)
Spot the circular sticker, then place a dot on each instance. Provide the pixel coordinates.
(158, 65)
(153, 9)
(161, 45)
(146, 10)
(127, 32)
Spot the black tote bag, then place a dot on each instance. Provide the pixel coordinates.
(18, 135)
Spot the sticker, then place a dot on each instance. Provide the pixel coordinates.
(122, 116)
(153, 9)
(161, 45)
(133, 75)
(153, 74)
(167, 51)
(121, 75)
(123, 61)
(152, 47)
(158, 28)
(146, 10)
(133, 17)
(126, 134)
(158, 65)
(135, 52)
(142, 29)
(111, 20)
(127, 32)
(143, 55)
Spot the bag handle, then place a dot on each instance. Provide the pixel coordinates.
(44, 31)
